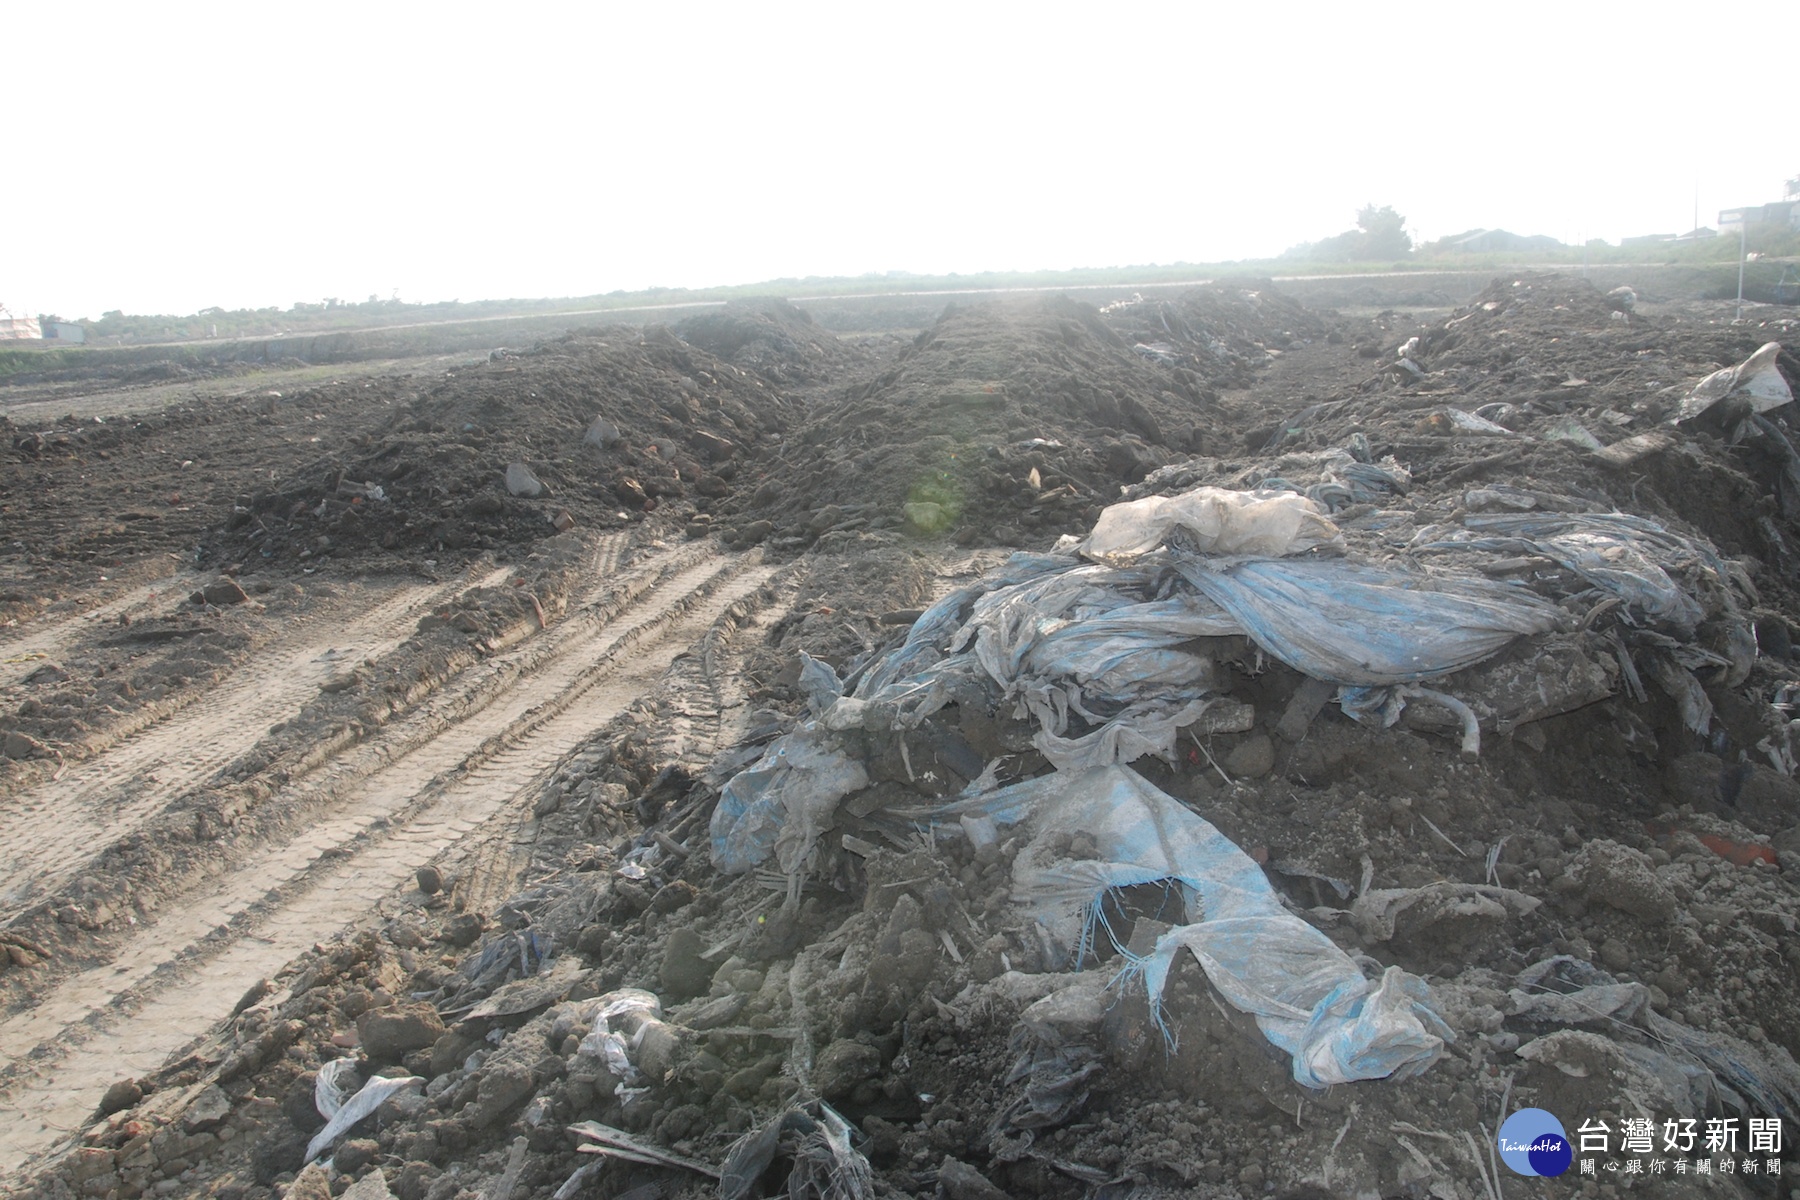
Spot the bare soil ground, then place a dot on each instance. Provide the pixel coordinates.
(379, 714)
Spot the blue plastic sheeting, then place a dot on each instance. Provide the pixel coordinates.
(1308, 996)
(1347, 623)
(1060, 639)
(781, 805)
(1085, 624)
(1625, 556)
(927, 642)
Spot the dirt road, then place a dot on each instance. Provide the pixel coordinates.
(460, 768)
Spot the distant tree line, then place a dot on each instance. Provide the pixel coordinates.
(1380, 236)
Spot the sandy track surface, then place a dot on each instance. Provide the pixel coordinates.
(460, 766)
(24, 650)
(52, 829)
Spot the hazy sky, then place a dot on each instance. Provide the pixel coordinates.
(167, 158)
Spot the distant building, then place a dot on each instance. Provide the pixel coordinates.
(19, 329)
(66, 331)
(1783, 214)
(1494, 241)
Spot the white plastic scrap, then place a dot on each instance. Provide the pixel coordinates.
(331, 1087)
(370, 1097)
(1757, 378)
(612, 1039)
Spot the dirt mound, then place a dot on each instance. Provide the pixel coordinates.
(773, 339)
(1225, 332)
(589, 430)
(1002, 422)
(1543, 382)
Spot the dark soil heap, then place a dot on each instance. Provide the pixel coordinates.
(1011, 422)
(595, 429)
(774, 340)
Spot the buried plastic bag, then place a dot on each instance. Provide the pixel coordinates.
(1061, 641)
(1307, 995)
(784, 802)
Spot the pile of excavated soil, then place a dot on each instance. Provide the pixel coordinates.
(1011, 422)
(1606, 845)
(773, 340)
(591, 430)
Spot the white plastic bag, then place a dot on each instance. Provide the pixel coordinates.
(1217, 520)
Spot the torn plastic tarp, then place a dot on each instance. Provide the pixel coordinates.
(1569, 991)
(371, 1096)
(1307, 995)
(781, 804)
(1097, 656)
(1065, 641)
(1348, 623)
(1625, 556)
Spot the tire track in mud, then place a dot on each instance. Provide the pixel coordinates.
(23, 651)
(715, 671)
(184, 971)
(700, 709)
(52, 829)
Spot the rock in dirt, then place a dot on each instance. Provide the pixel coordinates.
(355, 1154)
(389, 1034)
(253, 995)
(449, 1052)
(463, 928)
(711, 446)
(314, 1183)
(521, 481)
(684, 972)
(277, 1153)
(299, 1106)
(843, 1065)
(415, 1180)
(120, 1096)
(601, 434)
(1252, 758)
(224, 592)
(1308, 701)
(210, 1108)
(20, 745)
(502, 1087)
(372, 1186)
(430, 880)
(960, 1181)
(48, 673)
(1622, 878)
